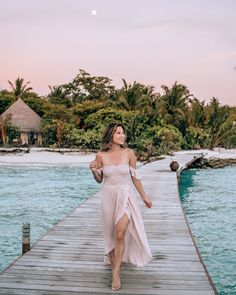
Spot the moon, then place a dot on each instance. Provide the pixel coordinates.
(94, 12)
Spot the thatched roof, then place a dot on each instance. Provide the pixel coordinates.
(23, 117)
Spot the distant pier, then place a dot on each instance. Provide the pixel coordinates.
(68, 260)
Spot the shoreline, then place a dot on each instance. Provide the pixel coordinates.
(216, 158)
(44, 157)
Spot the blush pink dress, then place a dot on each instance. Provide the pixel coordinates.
(118, 197)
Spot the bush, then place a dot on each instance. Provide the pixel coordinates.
(6, 100)
(196, 136)
(88, 139)
(12, 133)
(166, 138)
(102, 118)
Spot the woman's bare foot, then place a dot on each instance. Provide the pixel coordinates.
(116, 284)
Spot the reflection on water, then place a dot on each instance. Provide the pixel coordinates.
(209, 200)
(41, 195)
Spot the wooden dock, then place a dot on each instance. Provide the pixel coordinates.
(68, 260)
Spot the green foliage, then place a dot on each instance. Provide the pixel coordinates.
(59, 112)
(57, 120)
(84, 87)
(137, 128)
(87, 139)
(37, 104)
(102, 118)
(174, 105)
(144, 145)
(84, 109)
(196, 136)
(60, 95)
(87, 87)
(197, 113)
(13, 133)
(75, 115)
(129, 96)
(49, 133)
(167, 138)
(6, 99)
(19, 87)
(219, 122)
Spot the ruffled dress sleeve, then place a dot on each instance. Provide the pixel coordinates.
(134, 173)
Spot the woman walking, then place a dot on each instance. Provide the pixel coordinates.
(124, 234)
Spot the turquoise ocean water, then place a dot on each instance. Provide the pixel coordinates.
(41, 195)
(209, 201)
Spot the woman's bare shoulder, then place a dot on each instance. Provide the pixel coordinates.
(100, 155)
(131, 153)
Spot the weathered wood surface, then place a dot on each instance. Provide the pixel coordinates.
(69, 259)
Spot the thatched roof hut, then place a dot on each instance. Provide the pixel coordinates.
(26, 120)
(23, 117)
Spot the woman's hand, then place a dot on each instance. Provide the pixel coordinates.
(147, 202)
(93, 166)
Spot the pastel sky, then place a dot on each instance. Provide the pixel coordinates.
(154, 42)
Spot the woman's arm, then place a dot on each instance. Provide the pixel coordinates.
(94, 166)
(137, 182)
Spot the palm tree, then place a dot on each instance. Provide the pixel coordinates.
(220, 125)
(197, 113)
(149, 101)
(56, 91)
(19, 88)
(129, 96)
(174, 105)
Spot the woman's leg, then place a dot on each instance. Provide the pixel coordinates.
(112, 258)
(120, 231)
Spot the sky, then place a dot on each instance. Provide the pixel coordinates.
(155, 42)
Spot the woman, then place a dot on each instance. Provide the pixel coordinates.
(124, 234)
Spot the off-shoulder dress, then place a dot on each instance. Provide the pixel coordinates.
(118, 197)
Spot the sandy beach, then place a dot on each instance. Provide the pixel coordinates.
(40, 156)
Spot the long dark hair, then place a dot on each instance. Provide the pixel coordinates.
(108, 135)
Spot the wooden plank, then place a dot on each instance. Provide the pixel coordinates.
(69, 258)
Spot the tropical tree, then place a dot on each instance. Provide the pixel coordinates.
(197, 113)
(87, 87)
(87, 107)
(197, 137)
(129, 96)
(149, 101)
(6, 99)
(60, 95)
(167, 138)
(219, 123)
(174, 105)
(19, 88)
(60, 126)
(55, 119)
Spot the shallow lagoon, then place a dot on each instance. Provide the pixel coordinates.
(41, 195)
(44, 194)
(209, 200)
